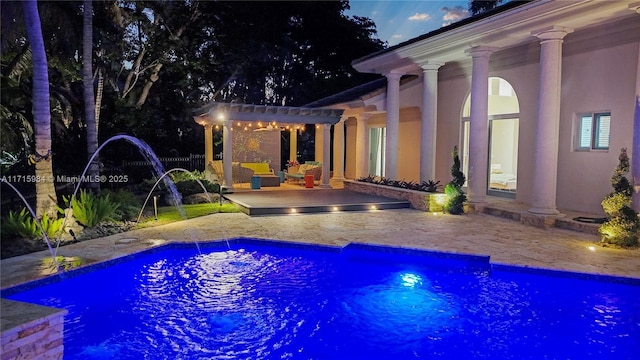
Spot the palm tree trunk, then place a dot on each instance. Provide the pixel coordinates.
(45, 189)
(100, 89)
(87, 80)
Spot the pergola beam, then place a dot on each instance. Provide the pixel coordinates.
(208, 115)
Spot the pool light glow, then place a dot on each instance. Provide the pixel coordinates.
(411, 280)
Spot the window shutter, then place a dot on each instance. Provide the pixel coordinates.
(585, 132)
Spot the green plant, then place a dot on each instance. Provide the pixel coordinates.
(7, 160)
(455, 194)
(90, 209)
(128, 204)
(190, 187)
(179, 176)
(429, 186)
(22, 224)
(623, 224)
(426, 186)
(53, 227)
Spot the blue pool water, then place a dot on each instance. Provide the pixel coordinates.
(260, 300)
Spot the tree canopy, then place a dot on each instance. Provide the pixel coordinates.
(479, 6)
(159, 59)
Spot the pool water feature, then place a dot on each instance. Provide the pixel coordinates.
(273, 300)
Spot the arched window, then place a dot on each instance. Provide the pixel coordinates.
(503, 121)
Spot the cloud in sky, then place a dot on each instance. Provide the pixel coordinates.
(453, 14)
(397, 36)
(419, 17)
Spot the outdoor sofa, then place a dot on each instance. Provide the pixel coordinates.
(297, 173)
(268, 178)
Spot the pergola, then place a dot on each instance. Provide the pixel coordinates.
(223, 114)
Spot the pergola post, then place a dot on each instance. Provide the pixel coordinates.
(227, 153)
(208, 146)
(293, 144)
(326, 151)
(319, 151)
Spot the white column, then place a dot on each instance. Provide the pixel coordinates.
(293, 144)
(208, 150)
(545, 172)
(319, 139)
(208, 145)
(479, 125)
(393, 124)
(338, 150)
(227, 153)
(362, 145)
(429, 121)
(326, 154)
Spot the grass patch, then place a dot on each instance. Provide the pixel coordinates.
(169, 214)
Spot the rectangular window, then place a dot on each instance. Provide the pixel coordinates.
(593, 131)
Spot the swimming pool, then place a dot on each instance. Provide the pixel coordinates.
(269, 300)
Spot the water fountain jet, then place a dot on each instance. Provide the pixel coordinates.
(33, 214)
(182, 214)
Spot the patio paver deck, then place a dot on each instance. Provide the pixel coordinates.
(505, 241)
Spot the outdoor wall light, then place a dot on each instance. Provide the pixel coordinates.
(335, 208)
(591, 247)
(373, 207)
(293, 211)
(220, 116)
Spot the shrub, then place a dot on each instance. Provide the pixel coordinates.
(426, 186)
(178, 176)
(90, 209)
(190, 187)
(455, 194)
(23, 225)
(429, 186)
(623, 224)
(128, 204)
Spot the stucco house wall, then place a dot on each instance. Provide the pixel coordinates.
(452, 93)
(409, 144)
(594, 80)
(598, 80)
